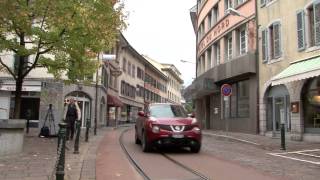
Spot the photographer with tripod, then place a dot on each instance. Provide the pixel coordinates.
(71, 114)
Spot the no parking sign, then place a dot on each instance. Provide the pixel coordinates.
(226, 90)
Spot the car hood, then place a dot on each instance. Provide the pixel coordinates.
(174, 121)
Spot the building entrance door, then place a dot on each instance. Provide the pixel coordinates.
(278, 112)
(84, 104)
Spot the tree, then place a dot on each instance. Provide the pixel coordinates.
(59, 35)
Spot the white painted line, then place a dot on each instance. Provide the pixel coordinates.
(295, 152)
(305, 154)
(312, 150)
(296, 159)
(230, 137)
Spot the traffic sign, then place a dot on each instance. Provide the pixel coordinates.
(226, 90)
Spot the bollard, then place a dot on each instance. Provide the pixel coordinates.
(61, 151)
(87, 130)
(76, 142)
(283, 138)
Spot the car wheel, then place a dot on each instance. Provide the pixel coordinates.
(146, 147)
(195, 149)
(137, 140)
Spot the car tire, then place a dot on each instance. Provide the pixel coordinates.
(195, 149)
(136, 138)
(146, 147)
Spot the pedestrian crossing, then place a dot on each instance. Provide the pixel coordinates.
(307, 156)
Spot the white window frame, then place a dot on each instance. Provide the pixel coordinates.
(301, 30)
(269, 58)
(243, 29)
(229, 47)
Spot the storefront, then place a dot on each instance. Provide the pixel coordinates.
(278, 108)
(293, 98)
(114, 104)
(30, 100)
(311, 105)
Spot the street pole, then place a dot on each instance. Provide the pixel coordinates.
(96, 100)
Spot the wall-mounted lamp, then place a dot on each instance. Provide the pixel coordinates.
(234, 12)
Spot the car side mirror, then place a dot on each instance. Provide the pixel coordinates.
(140, 113)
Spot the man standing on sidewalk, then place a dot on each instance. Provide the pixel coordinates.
(71, 114)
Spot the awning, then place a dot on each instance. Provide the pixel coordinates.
(298, 70)
(114, 101)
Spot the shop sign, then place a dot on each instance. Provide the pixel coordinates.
(214, 33)
(295, 107)
(24, 88)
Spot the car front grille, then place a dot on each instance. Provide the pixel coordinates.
(168, 127)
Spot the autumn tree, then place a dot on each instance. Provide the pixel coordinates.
(59, 35)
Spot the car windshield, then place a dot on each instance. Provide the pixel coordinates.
(167, 111)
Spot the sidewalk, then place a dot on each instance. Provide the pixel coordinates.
(38, 159)
(263, 142)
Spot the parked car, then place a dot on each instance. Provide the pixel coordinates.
(165, 124)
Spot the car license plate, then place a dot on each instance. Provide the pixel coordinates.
(177, 136)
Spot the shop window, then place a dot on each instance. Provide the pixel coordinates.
(311, 106)
(237, 105)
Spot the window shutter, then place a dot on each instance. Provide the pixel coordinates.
(300, 30)
(277, 40)
(262, 3)
(316, 10)
(264, 46)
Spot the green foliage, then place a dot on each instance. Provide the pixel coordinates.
(61, 35)
(189, 107)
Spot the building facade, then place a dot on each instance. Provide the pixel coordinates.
(289, 68)
(41, 89)
(226, 54)
(174, 83)
(131, 81)
(155, 82)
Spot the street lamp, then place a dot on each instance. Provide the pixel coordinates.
(234, 12)
(104, 58)
(184, 61)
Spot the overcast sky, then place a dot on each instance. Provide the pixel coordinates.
(162, 30)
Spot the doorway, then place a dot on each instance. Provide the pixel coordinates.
(84, 104)
(278, 112)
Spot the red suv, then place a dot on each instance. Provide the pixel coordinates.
(167, 124)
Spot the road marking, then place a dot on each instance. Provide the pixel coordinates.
(305, 154)
(230, 137)
(299, 153)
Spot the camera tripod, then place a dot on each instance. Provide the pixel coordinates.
(51, 124)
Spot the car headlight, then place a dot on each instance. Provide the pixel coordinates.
(196, 130)
(155, 129)
(194, 120)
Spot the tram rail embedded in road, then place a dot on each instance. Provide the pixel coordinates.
(143, 174)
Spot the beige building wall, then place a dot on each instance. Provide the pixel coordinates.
(127, 56)
(284, 12)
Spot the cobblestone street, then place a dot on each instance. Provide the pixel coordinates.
(257, 156)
